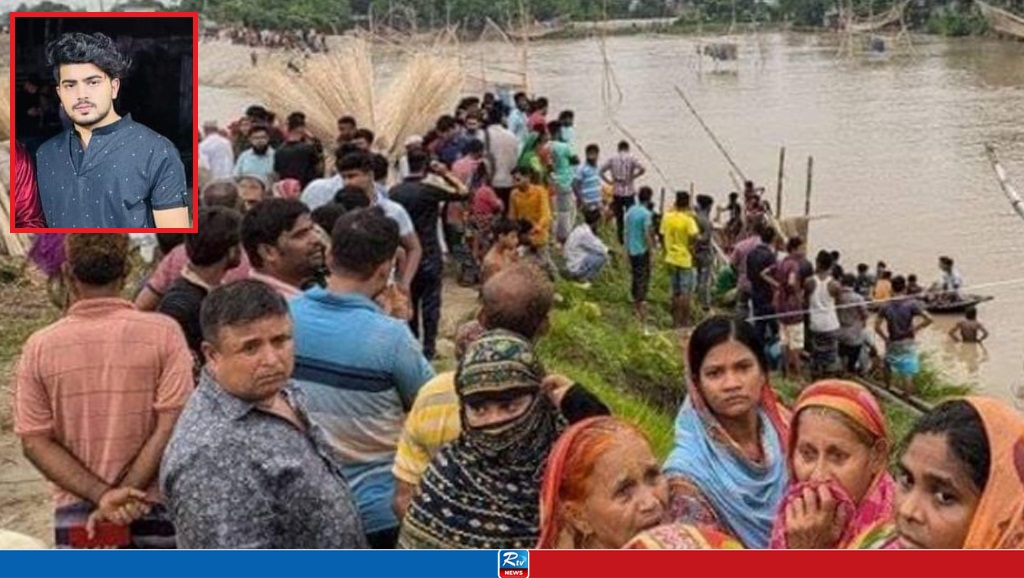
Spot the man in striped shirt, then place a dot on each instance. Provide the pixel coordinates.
(621, 171)
(359, 368)
(96, 397)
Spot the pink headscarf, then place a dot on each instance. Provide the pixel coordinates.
(857, 404)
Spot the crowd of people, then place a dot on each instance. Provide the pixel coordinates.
(819, 312)
(271, 385)
(305, 40)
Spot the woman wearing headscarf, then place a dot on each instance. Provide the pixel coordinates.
(602, 486)
(483, 489)
(838, 454)
(960, 481)
(728, 467)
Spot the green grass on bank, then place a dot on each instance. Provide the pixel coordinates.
(596, 340)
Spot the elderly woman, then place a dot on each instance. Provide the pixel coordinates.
(727, 470)
(838, 453)
(482, 490)
(603, 488)
(960, 481)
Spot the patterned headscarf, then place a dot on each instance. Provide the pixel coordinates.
(483, 490)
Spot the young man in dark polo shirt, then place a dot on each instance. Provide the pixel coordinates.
(106, 171)
(212, 252)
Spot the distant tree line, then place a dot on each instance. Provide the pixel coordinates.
(948, 17)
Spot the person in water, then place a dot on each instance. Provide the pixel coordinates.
(728, 467)
(969, 329)
(838, 452)
(960, 483)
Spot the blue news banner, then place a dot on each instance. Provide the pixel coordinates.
(266, 564)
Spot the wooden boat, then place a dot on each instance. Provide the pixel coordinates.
(959, 306)
(941, 308)
(1002, 21)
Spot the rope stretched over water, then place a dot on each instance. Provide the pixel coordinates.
(1018, 280)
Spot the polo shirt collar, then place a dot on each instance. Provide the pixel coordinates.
(343, 300)
(99, 307)
(286, 290)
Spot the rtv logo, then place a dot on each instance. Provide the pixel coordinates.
(513, 563)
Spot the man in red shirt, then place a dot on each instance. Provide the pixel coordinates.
(28, 212)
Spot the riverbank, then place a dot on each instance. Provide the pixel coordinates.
(594, 340)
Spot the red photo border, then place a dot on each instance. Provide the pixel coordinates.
(195, 117)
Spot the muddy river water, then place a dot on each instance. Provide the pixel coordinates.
(899, 167)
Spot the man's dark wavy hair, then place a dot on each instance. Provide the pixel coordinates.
(81, 48)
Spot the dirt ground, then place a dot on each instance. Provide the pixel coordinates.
(24, 494)
(25, 505)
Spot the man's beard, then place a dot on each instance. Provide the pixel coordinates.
(90, 117)
(261, 150)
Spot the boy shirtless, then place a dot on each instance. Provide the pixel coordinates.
(969, 330)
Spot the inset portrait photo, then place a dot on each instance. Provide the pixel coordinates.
(103, 122)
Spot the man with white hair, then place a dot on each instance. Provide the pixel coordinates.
(215, 150)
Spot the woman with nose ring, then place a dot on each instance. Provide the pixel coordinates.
(838, 452)
(728, 467)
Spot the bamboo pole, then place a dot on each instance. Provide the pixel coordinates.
(710, 133)
(1011, 193)
(810, 180)
(778, 191)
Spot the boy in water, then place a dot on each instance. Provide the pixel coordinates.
(969, 329)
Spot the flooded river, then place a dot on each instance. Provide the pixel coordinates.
(899, 168)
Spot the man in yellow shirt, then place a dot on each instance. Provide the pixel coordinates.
(531, 202)
(517, 299)
(679, 230)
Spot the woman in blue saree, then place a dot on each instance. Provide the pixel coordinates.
(727, 469)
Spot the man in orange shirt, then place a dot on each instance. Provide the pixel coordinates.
(96, 397)
(531, 203)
